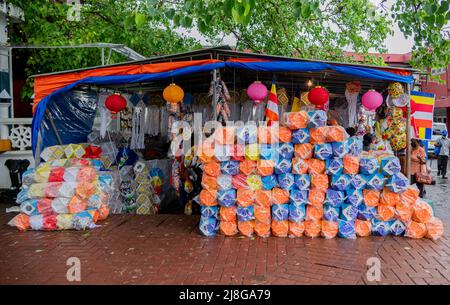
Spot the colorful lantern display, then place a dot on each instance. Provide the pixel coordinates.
(173, 94)
(372, 100)
(395, 90)
(115, 103)
(257, 92)
(318, 96)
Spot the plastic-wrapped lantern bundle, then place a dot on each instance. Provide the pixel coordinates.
(208, 226)
(390, 165)
(247, 134)
(254, 182)
(363, 228)
(390, 198)
(285, 150)
(212, 168)
(224, 182)
(317, 135)
(228, 228)
(300, 136)
(210, 182)
(303, 151)
(416, 230)
(368, 166)
(302, 182)
(380, 228)
(280, 196)
(283, 166)
(223, 152)
(280, 212)
(397, 183)
(340, 182)
(422, 211)
(348, 212)
(409, 196)
(397, 228)
(296, 229)
(316, 197)
(268, 134)
(269, 182)
(262, 229)
(299, 166)
(245, 213)
(330, 213)
(208, 197)
(239, 181)
(262, 214)
(245, 197)
(263, 198)
(351, 164)
(64, 222)
(366, 212)
(404, 211)
(375, 181)
(336, 134)
(286, 181)
(340, 149)
(298, 197)
(265, 167)
(209, 211)
(238, 152)
(354, 197)
(246, 228)
(226, 198)
(267, 152)
(224, 135)
(296, 120)
(312, 228)
(317, 118)
(358, 181)
(316, 166)
(346, 229)
(354, 146)
(297, 213)
(435, 228)
(323, 151)
(247, 167)
(227, 213)
(334, 198)
(280, 228)
(206, 151)
(329, 229)
(284, 134)
(251, 152)
(334, 166)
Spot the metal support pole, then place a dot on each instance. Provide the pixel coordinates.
(214, 94)
(49, 116)
(103, 56)
(408, 135)
(11, 85)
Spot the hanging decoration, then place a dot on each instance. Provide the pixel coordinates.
(115, 103)
(352, 90)
(396, 128)
(372, 100)
(138, 126)
(271, 113)
(257, 92)
(318, 96)
(222, 97)
(397, 96)
(105, 114)
(173, 95)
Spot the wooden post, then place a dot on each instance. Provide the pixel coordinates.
(408, 135)
(214, 94)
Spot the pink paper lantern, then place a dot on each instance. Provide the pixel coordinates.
(372, 100)
(257, 92)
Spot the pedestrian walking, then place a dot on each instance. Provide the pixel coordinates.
(418, 161)
(444, 144)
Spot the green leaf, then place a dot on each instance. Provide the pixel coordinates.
(186, 21)
(176, 20)
(228, 6)
(306, 10)
(140, 19)
(430, 20)
(170, 13)
(202, 26)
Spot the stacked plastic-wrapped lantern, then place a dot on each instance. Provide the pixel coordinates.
(306, 178)
(67, 192)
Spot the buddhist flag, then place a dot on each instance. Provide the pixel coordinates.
(272, 106)
(296, 101)
(422, 108)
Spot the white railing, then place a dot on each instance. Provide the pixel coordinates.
(18, 130)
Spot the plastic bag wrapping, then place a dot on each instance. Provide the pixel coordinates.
(208, 197)
(254, 182)
(239, 181)
(283, 166)
(316, 166)
(336, 134)
(280, 228)
(262, 229)
(247, 134)
(435, 228)
(363, 228)
(330, 213)
(397, 227)
(223, 152)
(262, 214)
(340, 149)
(212, 168)
(296, 120)
(303, 151)
(298, 197)
(354, 146)
(64, 221)
(409, 196)
(316, 197)
(238, 152)
(229, 167)
(317, 118)
(397, 183)
(21, 221)
(371, 197)
(348, 212)
(366, 212)
(251, 152)
(312, 228)
(224, 182)
(422, 211)
(297, 213)
(329, 229)
(268, 134)
(245, 197)
(247, 167)
(300, 136)
(73, 114)
(368, 166)
(314, 212)
(302, 182)
(286, 181)
(280, 212)
(354, 197)
(209, 182)
(224, 135)
(280, 196)
(346, 229)
(299, 166)
(296, 229)
(317, 135)
(334, 198)
(263, 198)
(206, 151)
(380, 228)
(340, 182)
(228, 228)
(208, 226)
(228, 213)
(334, 166)
(323, 151)
(269, 182)
(226, 198)
(268, 152)
(351, 164)
(404, 211)
(390, 198)
(375, 181)
(246, 228)
(265, 167)
(385, 212)
(285, 150)
(415, 229)
(390, 165)
(358, 181)
(207, 211)
(284, 134)
(319, 181)
(245, 213)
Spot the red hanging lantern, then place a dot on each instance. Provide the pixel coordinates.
(115, 103)
(318, 95)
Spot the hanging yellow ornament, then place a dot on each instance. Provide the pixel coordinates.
(173, 94)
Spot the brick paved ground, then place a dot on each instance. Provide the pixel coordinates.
(167, 249)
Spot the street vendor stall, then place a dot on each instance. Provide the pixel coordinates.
(143, 105)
